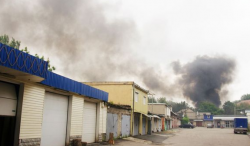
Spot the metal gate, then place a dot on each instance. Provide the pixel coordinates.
(159, 125)
(199, 123)
(136, 124)
(112, 122)
(125, 125)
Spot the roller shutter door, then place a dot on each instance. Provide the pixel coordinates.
(8, 99)
(54, 120)
(89, 122)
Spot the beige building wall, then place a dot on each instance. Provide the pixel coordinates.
(157, 108)
(32, 112)
(248, 119)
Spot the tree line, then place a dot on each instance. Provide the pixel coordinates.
(228, 108)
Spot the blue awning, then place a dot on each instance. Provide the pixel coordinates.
(63, 83)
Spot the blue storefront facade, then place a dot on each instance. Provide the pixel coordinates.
(208, 119)
(36, 101)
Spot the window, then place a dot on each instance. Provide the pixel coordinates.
(144, 100)
(136, 96)
(208, 117)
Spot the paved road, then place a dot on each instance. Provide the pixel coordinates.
(208, 137)
(189, 137)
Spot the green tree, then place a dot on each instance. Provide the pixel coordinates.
(162, 100)
(228, 108)
(245, 97)
(209, 107)
(185, 120)
(152, 100)
(4, 39)
(177, 106)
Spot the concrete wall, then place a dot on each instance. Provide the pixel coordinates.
(248, 119)
(157, 108)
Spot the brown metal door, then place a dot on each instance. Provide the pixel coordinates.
(199, 123)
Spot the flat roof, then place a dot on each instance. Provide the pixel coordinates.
(161, 104)
(117, 83)
(229, 116)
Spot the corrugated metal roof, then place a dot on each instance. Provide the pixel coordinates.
(18, 60)
(60, 82)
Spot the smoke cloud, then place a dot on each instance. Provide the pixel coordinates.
(204, 78)
(76, 34)
(85, 45)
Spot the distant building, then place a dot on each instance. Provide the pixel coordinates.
(225, 121)
(244, 102)
(175, 120)
(163, 110)
(195, 118)
(208, 119)
(190, 114)
(248, 117)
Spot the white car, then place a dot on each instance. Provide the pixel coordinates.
(210, 126)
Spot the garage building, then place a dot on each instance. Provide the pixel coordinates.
(39, 107)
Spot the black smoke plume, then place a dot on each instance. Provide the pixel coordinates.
(204, 78)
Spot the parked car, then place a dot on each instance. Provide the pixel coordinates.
(210, 126)
(186, 126)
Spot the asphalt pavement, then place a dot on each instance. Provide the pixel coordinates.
(198, 136)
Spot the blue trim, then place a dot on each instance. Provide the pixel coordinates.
(60, 82)
(18, 60)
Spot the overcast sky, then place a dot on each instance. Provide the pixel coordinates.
(153, 33)
(181, 30)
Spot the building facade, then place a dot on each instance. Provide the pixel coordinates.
(225, 121)
(248, 118)
(208, 119)
(41, 108)
(164, 111)
(128, 93)
(176, 120)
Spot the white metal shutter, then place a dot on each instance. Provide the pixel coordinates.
(89, 122)
(8, 99)
(54, 124)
